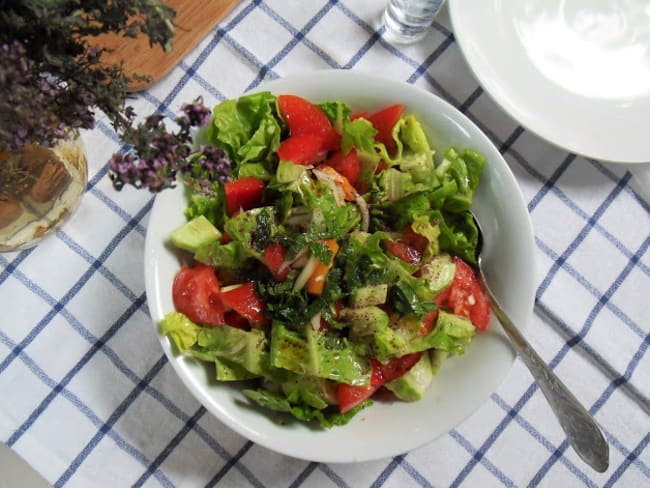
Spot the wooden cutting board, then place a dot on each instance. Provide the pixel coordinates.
(194, 19)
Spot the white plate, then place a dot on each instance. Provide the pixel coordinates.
(385, 429)
(575, 72)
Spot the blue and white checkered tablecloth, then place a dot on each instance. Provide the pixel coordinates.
(89, 399)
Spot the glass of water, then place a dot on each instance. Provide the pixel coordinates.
(408, 21)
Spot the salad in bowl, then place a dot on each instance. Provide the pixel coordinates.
(329, 274)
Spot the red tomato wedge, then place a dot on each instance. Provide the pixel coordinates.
(274, 256)
(393, 369)
(346, 165)
(233, 319)
(195, 293)
(429, 320)
(349, 396)
(302, 149)
(415, 240)
(467, 297)
(303, 117)
(243, 194)
(403, 251)
(384, 121)
(245, 301)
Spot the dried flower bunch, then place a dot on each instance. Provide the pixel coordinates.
(158, 156)
(51, 75)
(52, 80)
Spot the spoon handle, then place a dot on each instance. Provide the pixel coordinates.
(580, 428)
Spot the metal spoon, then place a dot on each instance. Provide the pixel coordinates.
(581, 430)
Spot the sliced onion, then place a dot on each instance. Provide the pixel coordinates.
(365, 213)
(306, 272)
(290, 262)
(339, 194)
(315, 322)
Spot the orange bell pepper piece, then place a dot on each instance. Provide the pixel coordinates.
(316, 282)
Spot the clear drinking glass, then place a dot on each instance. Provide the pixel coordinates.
(40, 188)
(408, 21)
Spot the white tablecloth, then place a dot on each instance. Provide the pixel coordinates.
(88, 398)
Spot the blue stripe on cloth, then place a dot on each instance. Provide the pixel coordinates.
(550, 182)
(119, 211)
(388, 470)
(128, 373)
(465, 106)
(582, 214)
(595, 408)
(83, 408)
(557, 265)
(300, 35)
(396, 52)
(203, 83)
(297, 37)
(331, 474)
(430, 59)
(122, 407)
(229, 464)
(630, 457)
(629, 460)
(558, 357)
(220, 34)
(596, 358)
(191, 72)
(103, 270)
(96, 346)
(372, 40)
(524, 164)
(10, 267)
(58, 306)
(415, 474)
(123, 368)
(523, 423)
(614, 177)
(571, 271)
(153, 467)
(511, 139)
(304, 474)
(477, 456)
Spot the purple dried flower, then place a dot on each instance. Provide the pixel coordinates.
(195, 114)
(163, 155)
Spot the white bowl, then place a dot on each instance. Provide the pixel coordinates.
(465, 382)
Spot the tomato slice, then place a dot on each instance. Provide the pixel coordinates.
(415, 240)
(403, 251)
(384, 121)
(302, 149)
(429, 320)
(233, 319)
(346, 165)
(245, 301)
(349, 396)
(467, 297)
(196, 293)
(243, 194)
(274, 256)
(303, 117)
(395, 368)
(382, 166)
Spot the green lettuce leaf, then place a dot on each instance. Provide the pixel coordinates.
(182, 331)
(327, 418)
(247, 128)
